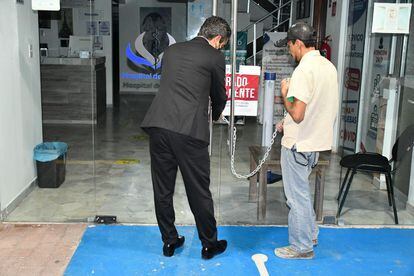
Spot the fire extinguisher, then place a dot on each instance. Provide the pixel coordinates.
(325, 49)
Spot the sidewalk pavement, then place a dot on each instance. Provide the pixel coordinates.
(37, 249)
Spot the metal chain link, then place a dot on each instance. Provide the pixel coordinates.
(233, 150)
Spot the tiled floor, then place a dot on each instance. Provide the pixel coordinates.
(43, 249)
(97, 184)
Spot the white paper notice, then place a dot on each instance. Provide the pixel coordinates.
(391, 18)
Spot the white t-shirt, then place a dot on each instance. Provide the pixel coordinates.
(314, 82)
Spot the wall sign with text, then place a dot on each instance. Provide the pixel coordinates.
(391, 18)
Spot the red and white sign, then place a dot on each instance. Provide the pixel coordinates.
(246, 91)
(352, 78)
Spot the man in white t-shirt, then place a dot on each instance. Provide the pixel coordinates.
(311, 100)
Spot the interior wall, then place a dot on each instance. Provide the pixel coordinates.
(20, 104)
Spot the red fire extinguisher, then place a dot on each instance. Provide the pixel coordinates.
(325, 49)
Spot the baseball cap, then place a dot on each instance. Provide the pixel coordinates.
(302, 31)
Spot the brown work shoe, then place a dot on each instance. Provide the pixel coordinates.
(288, 252)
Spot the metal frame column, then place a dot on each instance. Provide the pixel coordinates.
(210, 125)
(234, 4)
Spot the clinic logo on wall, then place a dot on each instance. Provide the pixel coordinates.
(143, 57)
(154, 38)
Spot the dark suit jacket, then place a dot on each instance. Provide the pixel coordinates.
(192, 72)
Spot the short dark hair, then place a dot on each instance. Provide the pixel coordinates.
(214, 26)
(304, 32)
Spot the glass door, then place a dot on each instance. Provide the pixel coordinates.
(122, 158)
(69, 76)
(404, 180)
(250, 200)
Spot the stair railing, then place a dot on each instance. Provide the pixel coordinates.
(278, 10)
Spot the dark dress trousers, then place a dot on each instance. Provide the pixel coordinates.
(177, 122)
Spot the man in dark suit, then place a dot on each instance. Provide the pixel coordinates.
(177, 122)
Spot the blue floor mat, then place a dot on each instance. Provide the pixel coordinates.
(137, 250)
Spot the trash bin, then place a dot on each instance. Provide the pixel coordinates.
(50, 163)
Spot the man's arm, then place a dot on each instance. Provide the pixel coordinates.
(218, 91)
(296, 108)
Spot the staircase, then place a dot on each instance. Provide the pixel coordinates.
(260, 16)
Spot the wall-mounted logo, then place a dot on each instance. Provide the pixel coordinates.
(145, 57)
(147, 52)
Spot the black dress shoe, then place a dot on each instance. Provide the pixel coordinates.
(210, 252)
(169, 248)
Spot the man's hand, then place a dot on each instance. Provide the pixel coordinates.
(279, 126)
(284, 87)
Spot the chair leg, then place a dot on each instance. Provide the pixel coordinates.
(343, 185)
(341, 203)
(388, 176)
(388, 191)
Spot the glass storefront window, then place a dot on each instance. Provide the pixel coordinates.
(108, 163)
(382, 106)
(404, 180)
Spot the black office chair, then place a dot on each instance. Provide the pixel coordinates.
(374, 162)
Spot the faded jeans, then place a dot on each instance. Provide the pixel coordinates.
(296, 168)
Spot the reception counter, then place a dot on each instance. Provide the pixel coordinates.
(73, 90)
